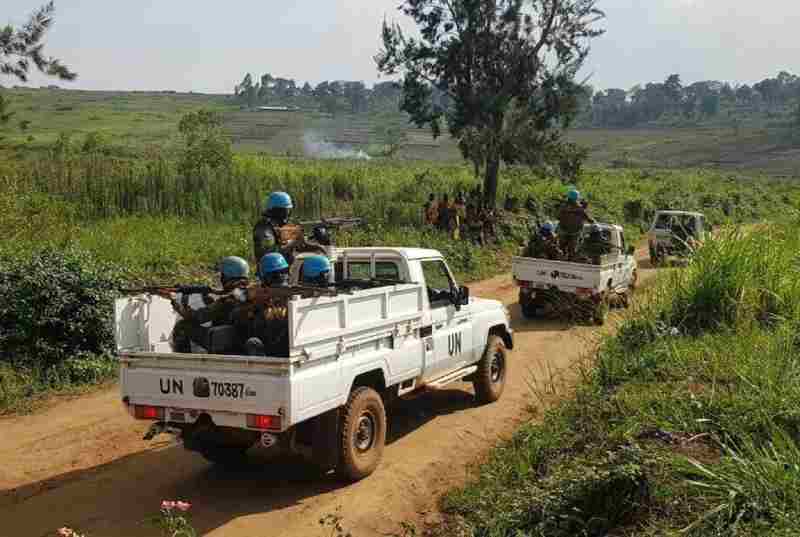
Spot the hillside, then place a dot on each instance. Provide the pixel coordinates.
(135, 121)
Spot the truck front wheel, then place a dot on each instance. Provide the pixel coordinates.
(363, 434)
(490, 378)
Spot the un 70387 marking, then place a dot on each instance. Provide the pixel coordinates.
(231, 390)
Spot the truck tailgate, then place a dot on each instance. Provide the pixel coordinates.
(187, 385)
(544, 273)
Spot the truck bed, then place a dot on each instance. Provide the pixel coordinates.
(566, 275)
(321, 330)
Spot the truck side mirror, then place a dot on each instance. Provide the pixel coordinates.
(463, 295)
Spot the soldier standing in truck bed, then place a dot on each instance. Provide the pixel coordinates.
(273, 232)
(571, 219)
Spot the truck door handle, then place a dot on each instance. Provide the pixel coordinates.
(462, 321)
(440, 325)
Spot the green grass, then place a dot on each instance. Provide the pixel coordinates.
(156, 226)
(134, 123)
(686, 422)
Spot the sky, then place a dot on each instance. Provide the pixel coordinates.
(208, 46)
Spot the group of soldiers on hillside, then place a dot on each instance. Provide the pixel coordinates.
(563, 243)
(466, 217)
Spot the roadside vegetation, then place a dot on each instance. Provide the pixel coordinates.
(150, 221)
(684, 422)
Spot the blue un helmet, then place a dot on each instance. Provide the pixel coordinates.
(279, 200)
(278, 207)
(273, 269)
(573, 195)
(547, 229)
(270, 263)
(233, 268)
(316, 269)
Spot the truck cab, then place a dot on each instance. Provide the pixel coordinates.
(401, 326)
(675, 233)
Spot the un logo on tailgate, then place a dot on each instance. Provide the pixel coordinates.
(201, 387)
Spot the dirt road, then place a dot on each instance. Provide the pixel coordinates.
(82, 463)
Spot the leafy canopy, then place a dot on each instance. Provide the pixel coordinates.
(499, 73)
(21, 47)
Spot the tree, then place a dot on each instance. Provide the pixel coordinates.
(21, 47)
(204, 144)
(508, 67)
(673, 90)
(709, 105)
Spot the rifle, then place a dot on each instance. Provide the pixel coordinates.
(162, 290)
(335, 222)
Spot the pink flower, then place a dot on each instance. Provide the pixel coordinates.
(167, 505)
(183, 506)
(65, 532)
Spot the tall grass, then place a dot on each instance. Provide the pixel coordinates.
(687, 422)
(382, 191)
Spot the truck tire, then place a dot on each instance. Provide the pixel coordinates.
(490, 378)
(634, 281)
(363, 434)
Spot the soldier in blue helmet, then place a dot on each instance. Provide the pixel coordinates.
(571, 219)
(274, 270)
(544, 244)
(268, 330)
(316, 271)
(273, 232)
(234, 273)
(595, 245)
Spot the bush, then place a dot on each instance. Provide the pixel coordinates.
(54, 305)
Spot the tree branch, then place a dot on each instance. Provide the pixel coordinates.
(547, 29)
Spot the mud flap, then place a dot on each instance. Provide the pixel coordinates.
(325, 447)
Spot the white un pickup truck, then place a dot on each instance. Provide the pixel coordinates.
(409, 329)
(543, 281)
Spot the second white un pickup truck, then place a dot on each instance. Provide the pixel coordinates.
(544, 280)
(413, 329)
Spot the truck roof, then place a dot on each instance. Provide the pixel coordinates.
(407, 253)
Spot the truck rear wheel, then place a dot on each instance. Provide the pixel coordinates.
(363, 434)
(490, 378)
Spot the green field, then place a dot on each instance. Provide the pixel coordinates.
(706, 360)
(137, 122)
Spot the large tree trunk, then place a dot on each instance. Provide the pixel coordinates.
(490, 180)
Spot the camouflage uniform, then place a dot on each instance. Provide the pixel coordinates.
(544, 248)
(571, 219)
(269, 236)
(269, 325)
(217, 312)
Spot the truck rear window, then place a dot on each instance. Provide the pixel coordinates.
(359, 270)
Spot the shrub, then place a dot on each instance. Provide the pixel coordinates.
(55, 304)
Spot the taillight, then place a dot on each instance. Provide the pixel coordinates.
(583, 291)
(523, 284)
(260, 421)
(146, 412)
